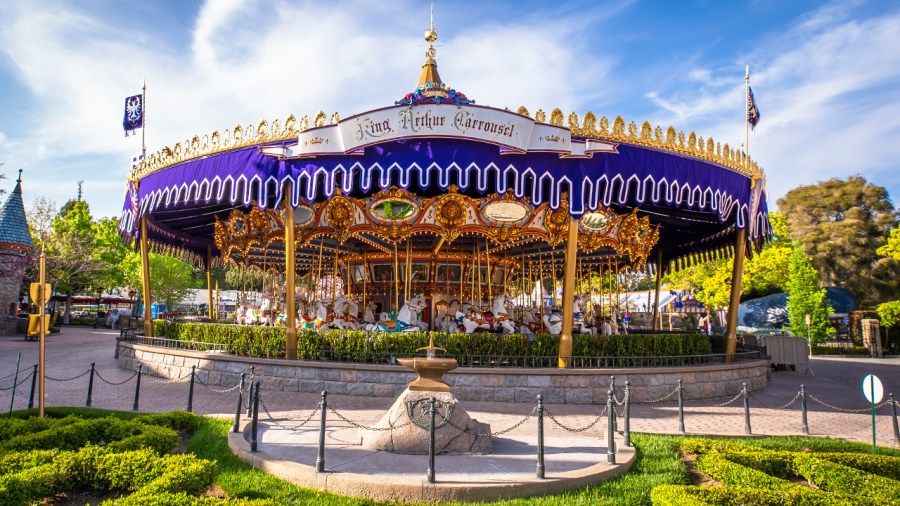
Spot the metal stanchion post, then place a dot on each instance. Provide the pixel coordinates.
(252, 381)
(137, 387)
(33, 383)
(610, 428)
(680, 407)
(894, 417)
(540, 437)
(320, 458)
(191, 390)
(254, 423)
(805, 420)
(12, 398)
(627, 434)
(240, 406)
(432, 411)
(87, 403)
(745, 394)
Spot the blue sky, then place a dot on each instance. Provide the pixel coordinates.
(826, 75)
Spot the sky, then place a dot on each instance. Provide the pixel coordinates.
(826, 75)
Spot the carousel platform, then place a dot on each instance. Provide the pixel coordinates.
(571, 462)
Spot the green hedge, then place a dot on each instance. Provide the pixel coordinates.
(754, 475)
(270, 342)
(840, 350)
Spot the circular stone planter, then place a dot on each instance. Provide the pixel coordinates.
(507, 384)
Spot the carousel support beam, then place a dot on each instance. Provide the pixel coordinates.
(145, 271)
(737, 274)
(659, 260)
(290, 306)
(209, 287)
(568, 296)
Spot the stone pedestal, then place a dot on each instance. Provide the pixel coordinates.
(455, 431)
(872, 336)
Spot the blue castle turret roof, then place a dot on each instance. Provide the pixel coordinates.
(13, 224)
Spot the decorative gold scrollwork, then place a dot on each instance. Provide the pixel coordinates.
(557, 222)
(450, 213)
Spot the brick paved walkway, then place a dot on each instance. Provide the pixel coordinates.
(836, 381)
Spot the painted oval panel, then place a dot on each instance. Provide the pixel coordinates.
(505, 211)
(595, 221)
(394, 209)
(303, 215)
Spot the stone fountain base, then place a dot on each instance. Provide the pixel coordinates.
(455, 432)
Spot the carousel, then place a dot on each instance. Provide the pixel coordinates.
(437, 213)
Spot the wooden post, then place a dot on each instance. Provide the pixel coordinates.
(290, 259)
(659, 267)
(737, 274)
(209, 288)
(145, 270)
(568, 295)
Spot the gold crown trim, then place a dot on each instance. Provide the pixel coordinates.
(647, 135)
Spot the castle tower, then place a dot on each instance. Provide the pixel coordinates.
(15, 247)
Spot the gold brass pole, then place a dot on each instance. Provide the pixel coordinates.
(541, 285)
(42, 302)
(568, 296)
(487, 262)
(334, 278)
(145, 270)
(209, 287)
(462, 278)
(365, 277)
(290, 261)
(737, 273)
(396, 281)
(659, 259)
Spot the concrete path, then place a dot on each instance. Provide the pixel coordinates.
(835, 381)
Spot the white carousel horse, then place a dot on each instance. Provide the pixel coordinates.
(346, 313)
(406, 319)
(553, 321)
(580, 326)
(318, 319)
(447, 321)
(497, 318)
(370, 313)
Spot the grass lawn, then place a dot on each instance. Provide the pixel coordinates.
(658, 463)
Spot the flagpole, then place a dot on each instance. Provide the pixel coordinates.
(144, 122)
(747, 117)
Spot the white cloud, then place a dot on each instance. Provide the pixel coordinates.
(829, 95)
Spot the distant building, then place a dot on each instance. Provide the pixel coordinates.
(15, 247)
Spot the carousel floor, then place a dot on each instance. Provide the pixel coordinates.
(509, 471)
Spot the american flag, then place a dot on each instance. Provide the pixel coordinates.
(752, 110)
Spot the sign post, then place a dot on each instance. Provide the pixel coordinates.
(39, 293)
(809, 343)
(874, 392)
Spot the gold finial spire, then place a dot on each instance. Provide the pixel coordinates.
(429, 68)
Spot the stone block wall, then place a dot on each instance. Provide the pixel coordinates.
(12, 271)
(558, 386)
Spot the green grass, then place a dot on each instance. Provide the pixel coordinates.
(658, 463)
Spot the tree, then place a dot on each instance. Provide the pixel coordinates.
(806, 297)
(892, 247)
(840, 225)
(109, 252)
(69, 248)
(170, 278)
(889, 313)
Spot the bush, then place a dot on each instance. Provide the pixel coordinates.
(353, 344)
(684, 495)
(71, 433)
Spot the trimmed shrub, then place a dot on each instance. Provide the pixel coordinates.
(685, 495)
(315, 345)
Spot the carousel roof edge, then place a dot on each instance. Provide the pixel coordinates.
(589, 128)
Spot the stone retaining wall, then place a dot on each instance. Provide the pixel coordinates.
(559, 386)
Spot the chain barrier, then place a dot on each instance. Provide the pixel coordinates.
(168, 381)
(729, 401)
(616, 399)
(377, 429)
(26, 378)
(784, 406)
(220, 391)
(281, 425)
(68, 379)
(499, 432)
(115, 383)
(863, 410)
(570, 429)
(620, 415)
(661, 399)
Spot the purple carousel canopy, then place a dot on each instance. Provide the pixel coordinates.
(698, 192)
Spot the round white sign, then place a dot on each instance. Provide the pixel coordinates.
(873, 389)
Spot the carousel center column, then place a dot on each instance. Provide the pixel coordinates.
(290, 306)
(740, 250)
(568, 296)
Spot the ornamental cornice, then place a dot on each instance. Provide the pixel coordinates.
(586, 127)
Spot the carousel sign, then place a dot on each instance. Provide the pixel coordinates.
(512, 132)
